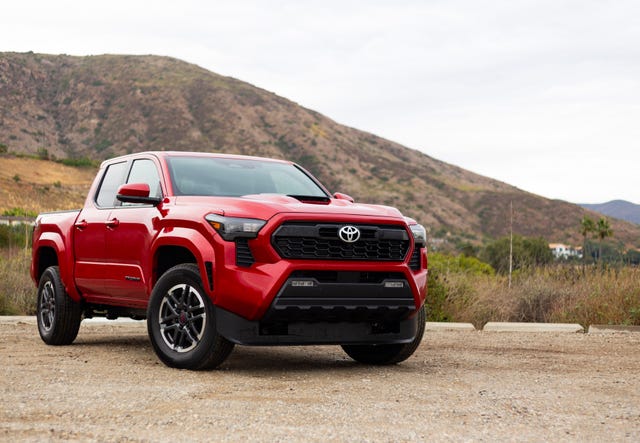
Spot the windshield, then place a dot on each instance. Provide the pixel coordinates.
(234, 177)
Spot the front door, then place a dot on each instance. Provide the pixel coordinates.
(131, 228)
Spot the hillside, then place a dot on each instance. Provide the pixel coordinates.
(621, 209)
(95, 107)
(39, 185)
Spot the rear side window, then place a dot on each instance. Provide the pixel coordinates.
(145, 171)
(113, 179)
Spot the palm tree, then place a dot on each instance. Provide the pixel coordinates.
(587, 226)
(603, 230)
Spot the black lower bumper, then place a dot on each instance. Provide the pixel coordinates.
(246, 332)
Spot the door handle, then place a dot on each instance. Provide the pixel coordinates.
(81, 224)
(113, 223)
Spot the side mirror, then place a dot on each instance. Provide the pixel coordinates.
(137, 193)
(341, 196)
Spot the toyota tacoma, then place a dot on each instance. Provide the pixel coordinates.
(215, 250)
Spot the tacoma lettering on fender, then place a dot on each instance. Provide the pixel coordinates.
(216, 250)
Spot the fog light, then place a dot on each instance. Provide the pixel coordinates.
(302, 283)
(393, 284)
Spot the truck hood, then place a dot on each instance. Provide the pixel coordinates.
(265, 206)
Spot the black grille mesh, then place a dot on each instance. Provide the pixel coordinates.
(321, 242)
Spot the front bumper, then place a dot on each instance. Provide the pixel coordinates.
(256, 282)
(326, 307)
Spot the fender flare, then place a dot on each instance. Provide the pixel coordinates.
(196, 243)
(55, 241)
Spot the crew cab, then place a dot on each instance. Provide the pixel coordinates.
(215, 250)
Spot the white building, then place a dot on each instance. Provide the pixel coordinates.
(560, 250)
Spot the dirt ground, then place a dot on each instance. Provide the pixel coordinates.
(109, 386)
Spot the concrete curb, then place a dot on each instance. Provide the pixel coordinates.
(106, 321)
(430, 326)
(31, 320)
(446, 326)
(532, 327)
(610, 329)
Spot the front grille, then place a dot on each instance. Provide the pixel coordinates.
(320, 241)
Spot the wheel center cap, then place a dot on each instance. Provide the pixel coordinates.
(183, 318)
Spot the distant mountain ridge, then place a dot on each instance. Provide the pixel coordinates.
(97, 107)
(620, 209)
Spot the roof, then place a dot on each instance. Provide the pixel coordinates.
(165, 154)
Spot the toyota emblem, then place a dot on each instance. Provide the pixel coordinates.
(349, 234)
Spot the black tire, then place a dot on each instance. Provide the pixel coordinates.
(388, 354)
(58, 315)
(181, 322)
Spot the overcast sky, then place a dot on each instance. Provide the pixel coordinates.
(543, 95)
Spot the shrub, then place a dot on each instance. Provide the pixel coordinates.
(450, 286)
(81, 162)
(527, 252)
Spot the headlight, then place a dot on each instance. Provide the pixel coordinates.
(419, 235)
(231, 228)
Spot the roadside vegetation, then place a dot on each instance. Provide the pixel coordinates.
(602, 287)
(17, 291)
(465, 289)
(472, 286)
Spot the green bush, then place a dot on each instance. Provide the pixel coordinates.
(19, 212)
(15, 236)
(449, 284)
(81, 162)
(527, 253)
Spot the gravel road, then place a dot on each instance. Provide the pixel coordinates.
(109, 386)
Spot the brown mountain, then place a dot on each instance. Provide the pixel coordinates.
(95, 107)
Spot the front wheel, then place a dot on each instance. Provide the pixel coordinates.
(388, 354)
(181, 322)
(59, 316)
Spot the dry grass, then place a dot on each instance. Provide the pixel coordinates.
(17, 291)
(553, 294)
(40, 185)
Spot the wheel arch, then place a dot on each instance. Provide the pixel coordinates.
(183, 246)
(51, 251)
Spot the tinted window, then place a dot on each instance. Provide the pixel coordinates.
(113, 179)
(236, 177)
(144, 171)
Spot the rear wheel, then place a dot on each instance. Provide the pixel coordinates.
(388, 354)
(181, 322)
(59, 316)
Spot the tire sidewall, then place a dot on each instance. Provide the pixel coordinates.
(52, 275)
(65, 322)
(196, 357)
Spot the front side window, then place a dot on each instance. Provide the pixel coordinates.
(112, 180)
(145, 171)
(232, 177)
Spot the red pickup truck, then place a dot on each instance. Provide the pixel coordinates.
(215, 250)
